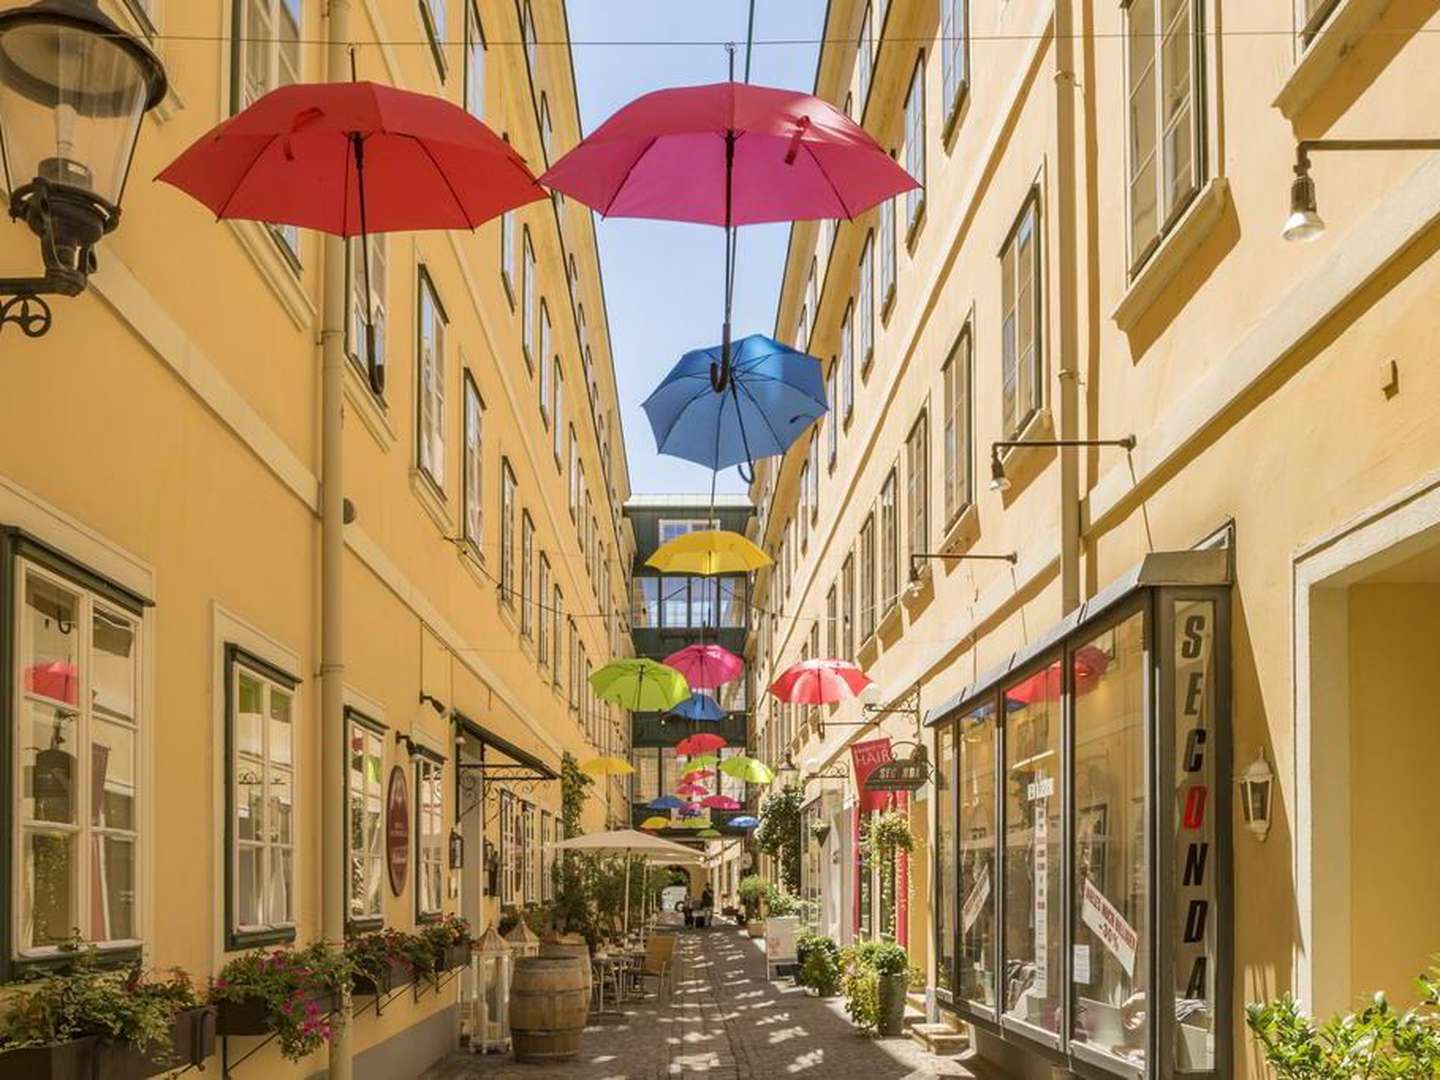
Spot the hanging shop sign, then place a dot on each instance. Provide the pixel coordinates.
(397, 829)
(900, 774)
(865, 758)
(457, 849)
(1195, 873)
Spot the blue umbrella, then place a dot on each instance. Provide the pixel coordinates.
(666, 802)
(744, 821)
(774, 393)
(699, 707)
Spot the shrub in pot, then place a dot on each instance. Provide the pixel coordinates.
(291, 992)
(819, 959)
(753, 892)
(875, 976)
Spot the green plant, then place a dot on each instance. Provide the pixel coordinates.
(1377, 1041)
(819, 959)
(83, 999)
(779, 832)
(373, 953)
(288, 982)
(574, 790)
(780, 903)
(861, 966)
(888, 834)
(448, 931)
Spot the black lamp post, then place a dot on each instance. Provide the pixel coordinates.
(73, 90)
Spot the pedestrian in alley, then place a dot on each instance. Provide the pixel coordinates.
(707, 906)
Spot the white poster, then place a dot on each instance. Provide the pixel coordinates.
(975, 901)
(1105, 920)
(1041, 902)
(1081, 964)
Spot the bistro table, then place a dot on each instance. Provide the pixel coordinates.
(609, 968)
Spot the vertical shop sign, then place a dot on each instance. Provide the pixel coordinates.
(1040, 988)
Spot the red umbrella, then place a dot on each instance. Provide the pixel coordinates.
(819, 682)
(729, 154)
(696, 775)
(352, 159)
(1046, 685)
(720, 802)
(692, 789)
(706, 667)
(698, 744)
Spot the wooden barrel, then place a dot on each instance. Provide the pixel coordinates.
(576, 948)
(549, 1000)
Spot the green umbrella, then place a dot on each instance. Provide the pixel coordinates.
(695, 823)
(703, 761)
(640, 685)
(749, 769)
(708, 834)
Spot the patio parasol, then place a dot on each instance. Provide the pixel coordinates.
(745, 821)
(707, 552)
(692, 789)
(706, 666)
(624, 842)
(1090, 664)
(720, 802)
(695, 776)
(665, 802)
(819, 682)
(655, 822)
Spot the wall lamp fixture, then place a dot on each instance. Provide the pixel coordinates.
(1009, 557)
(434, 702)
(1304, 223)
(1000, 482)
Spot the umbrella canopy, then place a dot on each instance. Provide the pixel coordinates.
(708, 834)
(708, 551)
(706, 667)
(699, 707)
(656, 822)
(749, 769)
(696, 823)
(692, 789)
(57, 679)
(701, 761)
(819, 682)
(640, 684)
(623, 842)
(773, 394)
(744, 822)
(690, 810)
(698, 744)
(720, 802)
(1047, 684)
(729, 154)
(606, 766)
(665, 802)
(694, 776)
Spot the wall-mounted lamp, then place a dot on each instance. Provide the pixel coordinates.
(1304, 223)
(1255, 783)
(402, 739)
(1000, 482)
(1009, 557)
(434, 702)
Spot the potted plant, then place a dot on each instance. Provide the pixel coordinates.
(449, 939)
(820, 830)
(753, 891)
(819, 959)
(291, 992)
(388, 959)
(876, 976)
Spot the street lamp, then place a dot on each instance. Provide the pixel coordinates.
(1304, 223)
(73, 90)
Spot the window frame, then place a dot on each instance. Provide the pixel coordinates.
(889, 577)
(958, 458)
(436, 34)
(954, 53)
(472, 480)
(378, 313)
(1030, 206)
(528, 296)
(368, 726)
(542, 617)
(434, 470)
(1313, 25)
(847, 361)
(917, 493)
(889, 257)
(474, 38)
(527, 574)
(430, 846)
(508, 495)
(916, 151)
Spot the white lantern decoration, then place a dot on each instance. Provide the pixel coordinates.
(1256, 783)
(523, 941)
(490, 965)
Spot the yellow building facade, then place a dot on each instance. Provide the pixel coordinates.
(1118, 634)
(161, 581)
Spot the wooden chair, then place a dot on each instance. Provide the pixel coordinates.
(658, 961)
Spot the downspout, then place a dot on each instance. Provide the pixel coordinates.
(1066, 198)
(332, 569)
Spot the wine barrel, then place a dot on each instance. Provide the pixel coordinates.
(549, 1000)
(571, 945)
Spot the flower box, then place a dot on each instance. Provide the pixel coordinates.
(251, 1015)
(73, 1060)
(451, 957)
(192, 1040)
(396, 973)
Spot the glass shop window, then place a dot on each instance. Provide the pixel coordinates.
(945, 861)
(975, 974)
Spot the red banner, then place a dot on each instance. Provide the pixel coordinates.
(864, 757)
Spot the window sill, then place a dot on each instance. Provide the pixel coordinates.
(431, 498)
(107, 957)
(915, 228)
(1167, 260)
(239, 940)
(1023, 463)
(371, 409)
(278, 271)
(1326, 52)
(363, 926)
(890, 621)
(963, 531)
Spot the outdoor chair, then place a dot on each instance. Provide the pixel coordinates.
(658, 961)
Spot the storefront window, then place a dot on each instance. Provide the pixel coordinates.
(1033, 806)
(945, 860)
(976, 968)
(1112, 872)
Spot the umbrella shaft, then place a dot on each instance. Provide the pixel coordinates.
(371, 369)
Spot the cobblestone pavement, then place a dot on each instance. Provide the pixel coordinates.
(722, 1021)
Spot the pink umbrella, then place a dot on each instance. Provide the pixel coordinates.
(706, 667)
(720, 802)
(697, 775)
(698, 744)
(819, 682)
(692, 789)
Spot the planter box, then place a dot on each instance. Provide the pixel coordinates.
(396, 974)
(91, 1058)
(452, 957)
(73, 1060)
(251, 1016)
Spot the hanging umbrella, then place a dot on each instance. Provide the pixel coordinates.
(699, 707)
(353, 159)
(698, 744)
(749, 769)
(606, 766)
(656, 822)
(743, 822)
(708, 834)
(665, 802)
(624, 842)
(701, 761)
(702, 822)
(819, 682)
(706, 667)
(720, 802)
(729, 154)
(692, 789)
(695, 776)
(773, 394)
(640, 685)
(690, 810)
(708, 551)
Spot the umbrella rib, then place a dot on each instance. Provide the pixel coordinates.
(245, 175)
(849, 216)
(761, 411)
(443, 176)
(650, 145)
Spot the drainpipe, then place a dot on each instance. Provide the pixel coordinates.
(1066, 199)
(332, 557)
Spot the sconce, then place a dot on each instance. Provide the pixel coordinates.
(1255, 796)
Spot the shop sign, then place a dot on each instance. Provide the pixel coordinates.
(1109, 925)
(865, 758)
(1194, 695)
(905, 774)
(1040, 987)
(397, 829)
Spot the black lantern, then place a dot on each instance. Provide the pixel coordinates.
(73, 90)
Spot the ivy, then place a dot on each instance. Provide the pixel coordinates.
(779, 834)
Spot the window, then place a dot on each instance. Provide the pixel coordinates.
(887, 255)
(917, 491)
(954, 56)
(527, 568)
(511, 849)
(802, 329)
(832, 429)
(527, 303)
(645, 602)
(474, 61)
(977, 885)
(575, 478)
(864, 60)
(646, 785)
(832, 623)
(575, 653)
(548, 836)
(507, 254)
(1316, 14)
(1163, 118)
(813, 464)
(542, 621)
(543, 358)
(889, 542)
(733, 611)
(671, 528)
(429, 837)
(266, 42)
(959, 449)
(546, 134)
(474, 516)
(430, 369)
(79, 810)
(1020, 351)
(867, 578)
(366, 834)
(532, 45)
(915, 147)
(847, 363)
(805, 502)
(261, 800)
(812, 288)
(367, 318)
(556, 620)
(532, 856)
(507, 533)
(847, 609)
(866, 297)
(675, 602)
(945, 861)
(432, 14)
(557, 442)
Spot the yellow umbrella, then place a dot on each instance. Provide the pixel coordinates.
(656, 822)
(606, 766)
(709, 551)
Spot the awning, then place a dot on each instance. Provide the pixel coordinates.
(1209, 567)
(534, 766)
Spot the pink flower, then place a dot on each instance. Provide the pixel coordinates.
(221, 983)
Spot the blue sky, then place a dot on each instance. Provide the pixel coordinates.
(664, 281)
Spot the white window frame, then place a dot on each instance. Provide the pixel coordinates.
(507, 533)
(542, 621)
(433, 16)
(473, 87)
(507, 255)
(429, 837)
(832, 429)
(247, 88)
(917, 490)
(1027, 222)
(958, 432)
(527, 300)
(430, 324)
(915, 155)
(378, 309)
(543, 360)
(678, 527)
(847, 361)
(888, 245)
(954, 58)
(359, 865)
(865, 296)
(527, 568)
(473, 426)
